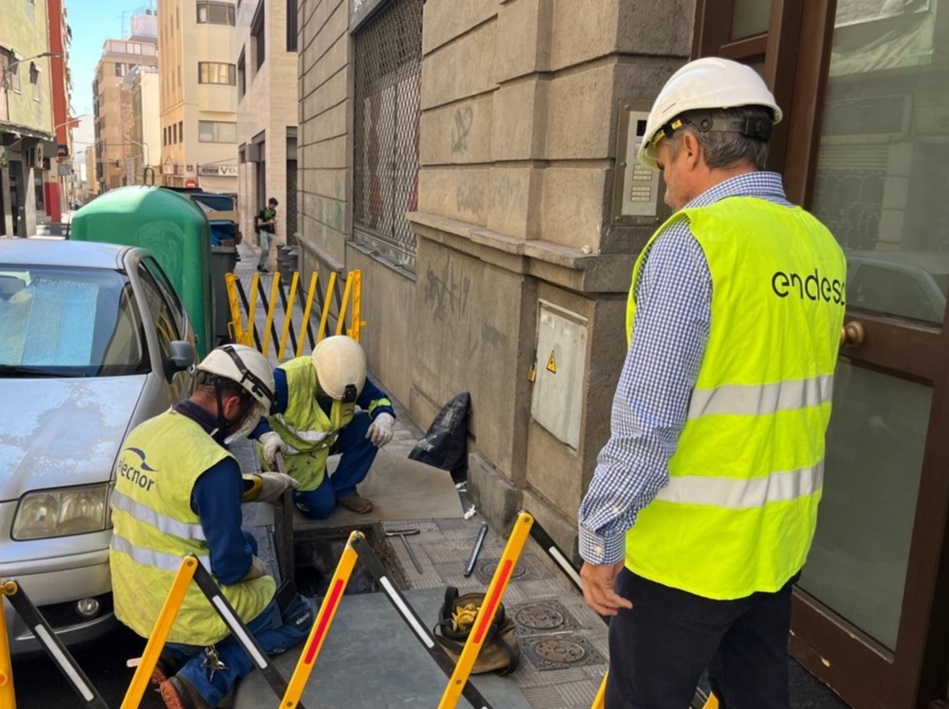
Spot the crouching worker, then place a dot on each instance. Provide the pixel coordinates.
(315, 417)
(190, 503)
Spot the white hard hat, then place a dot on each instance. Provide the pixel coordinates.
(340, 365)
(708, 83)
(247, 367)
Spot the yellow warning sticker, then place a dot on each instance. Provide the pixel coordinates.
(552, 364)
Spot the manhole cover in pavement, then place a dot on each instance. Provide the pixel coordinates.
(559, 652)
(539, 617)
(489, 567)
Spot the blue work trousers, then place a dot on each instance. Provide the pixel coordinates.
(358, 452)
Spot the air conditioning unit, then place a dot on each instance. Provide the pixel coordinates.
(37, 161)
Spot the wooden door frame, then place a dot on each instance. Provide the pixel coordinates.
(796, 50)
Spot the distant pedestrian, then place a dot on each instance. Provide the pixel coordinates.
(265, 224)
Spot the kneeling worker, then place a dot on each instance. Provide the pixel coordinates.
(315, 416)
(178, 491)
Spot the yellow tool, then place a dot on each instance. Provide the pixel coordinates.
(598, 701)
(7, 695)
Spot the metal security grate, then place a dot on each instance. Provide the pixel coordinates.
(388, 64)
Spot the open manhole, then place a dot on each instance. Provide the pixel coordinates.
(316, 553)
(543, 617)
(559, 652)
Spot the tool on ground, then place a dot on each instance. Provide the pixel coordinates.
(49, 641)
(283, 529)
(404, 532)
(479, 542)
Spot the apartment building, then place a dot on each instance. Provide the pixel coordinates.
(198, 77)
(26, 118)
(113, 99)
(267, 111)
(144, 104)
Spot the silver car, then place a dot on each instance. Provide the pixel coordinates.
(93, 340)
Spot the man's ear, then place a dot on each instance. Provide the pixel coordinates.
(691, 149)
(232, 406)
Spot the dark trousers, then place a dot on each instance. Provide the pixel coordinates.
(659, 649)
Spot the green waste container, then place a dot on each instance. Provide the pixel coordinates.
(173, 229)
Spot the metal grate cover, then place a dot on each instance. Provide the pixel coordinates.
(388, 68)
(543, 617)
(559, 652)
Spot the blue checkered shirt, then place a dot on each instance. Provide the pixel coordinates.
(670, 332)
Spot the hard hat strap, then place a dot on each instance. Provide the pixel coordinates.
(257, 386)
(755, 127)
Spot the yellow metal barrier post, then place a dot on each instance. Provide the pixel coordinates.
(712, 702)
(357, 305)
(288, 315)
(274, 289)
(156, 642)
(321, 626)
(600, 698)
(7, 695)
(236, 327)
(489, 608)
(305, 322)
(347, 291)
(327, 304)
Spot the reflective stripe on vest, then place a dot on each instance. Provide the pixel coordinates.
(740, 494)
(755, 399)
(164, 523)
(150, 557)
(739, 510)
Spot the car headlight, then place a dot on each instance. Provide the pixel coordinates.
(61, 512)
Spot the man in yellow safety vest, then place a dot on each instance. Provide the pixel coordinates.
(703, 503)
(178, 491)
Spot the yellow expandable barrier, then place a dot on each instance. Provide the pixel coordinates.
(350, 310)
(489, 608)
(314, 643)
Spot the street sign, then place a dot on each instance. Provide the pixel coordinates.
(62, 151)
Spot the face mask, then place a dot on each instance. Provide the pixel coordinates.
(247, 427)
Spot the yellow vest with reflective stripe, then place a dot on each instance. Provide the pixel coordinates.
(304, 427)
(739, 511)
(155, 527)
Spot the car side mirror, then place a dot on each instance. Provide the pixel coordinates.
(180, 356)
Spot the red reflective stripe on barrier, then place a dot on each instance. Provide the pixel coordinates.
(324, 621)
(488, 613)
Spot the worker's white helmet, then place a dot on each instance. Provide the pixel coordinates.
(708, 83)
(247, 367)
(340, 365)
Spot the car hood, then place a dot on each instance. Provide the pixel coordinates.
(58, 432)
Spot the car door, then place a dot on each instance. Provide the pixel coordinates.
(168, 322)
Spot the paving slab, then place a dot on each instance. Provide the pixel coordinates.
(371, 660)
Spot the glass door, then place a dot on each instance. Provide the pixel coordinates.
(865, 147)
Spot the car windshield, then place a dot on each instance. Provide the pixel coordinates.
(68, 322)
(213, 202)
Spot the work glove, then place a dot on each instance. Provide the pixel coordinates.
(380, 431)
(273, 485)
(272, 444)
(256, 570)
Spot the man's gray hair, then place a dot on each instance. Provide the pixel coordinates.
(725, 149)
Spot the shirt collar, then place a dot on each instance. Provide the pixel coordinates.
(764, 185)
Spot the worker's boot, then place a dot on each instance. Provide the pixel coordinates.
(178, 693)
(356, 503)
(166, 667)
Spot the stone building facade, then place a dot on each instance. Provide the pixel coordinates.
(513, 119)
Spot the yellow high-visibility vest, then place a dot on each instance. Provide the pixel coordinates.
(155, 527)
(739, 511)
(308, 432)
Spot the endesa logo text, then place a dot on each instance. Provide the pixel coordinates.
(813, 286)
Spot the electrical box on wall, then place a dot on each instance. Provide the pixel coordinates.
(637, 190)
(557, 400)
